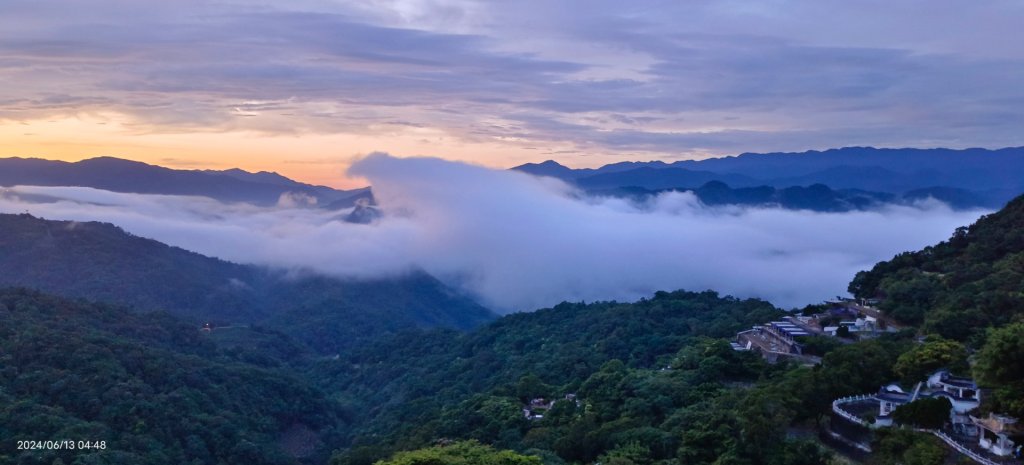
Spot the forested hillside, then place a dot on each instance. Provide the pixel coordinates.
(641, 383)
(151, 388)
(968, 288)
(159, 390)
(959, 287)
(655, 382)
(101, 262)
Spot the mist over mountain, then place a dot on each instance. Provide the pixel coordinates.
(660, 178)
(858, 178)
(519, 242)
(118, 175)
(102, 262)
(964, 178)
(959, 287)
(816, 197)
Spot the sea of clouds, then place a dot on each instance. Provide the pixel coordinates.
(518, 242)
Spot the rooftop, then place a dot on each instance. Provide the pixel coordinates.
(893, 396)
(958, 381)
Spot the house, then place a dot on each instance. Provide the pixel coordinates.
(772, 338)
(537, 407)
(889, 398)
(867, 324)
(862, 326)
(541, 403)
(788, 329)
(963, 395)
(995, 434)
(842, 312)
(740, 347)
(962, 392)
(531, 415)
(779, 340)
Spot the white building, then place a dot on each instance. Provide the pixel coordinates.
(962, 393)
(995, 434)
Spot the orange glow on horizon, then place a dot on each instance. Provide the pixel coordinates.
(312, 158)
(309, 157)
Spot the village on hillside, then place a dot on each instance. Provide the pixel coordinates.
(845, 319)
(985, 438)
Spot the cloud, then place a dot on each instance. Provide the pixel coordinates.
(519, 242)
(662, 78)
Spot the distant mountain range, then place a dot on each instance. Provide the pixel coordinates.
(964, 178)
(816, 197)
(831, 180)
(99, 261)
(118, 175)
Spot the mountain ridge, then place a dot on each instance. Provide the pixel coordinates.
(100, 261)
(960, 286)
(128, 176)
(970, 177)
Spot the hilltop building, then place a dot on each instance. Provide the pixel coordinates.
(962, 393)
(995, 433)
(861, 326)
(776, 337)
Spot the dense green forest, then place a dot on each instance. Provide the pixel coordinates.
(159, 390)
(653, 379)
(701, 404)
(155, 389)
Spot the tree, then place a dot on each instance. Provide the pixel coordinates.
(1000, 364)
(924, 413)
(460, 453)
(819, 345)
(1001, 359)
(928, 452)
(764, 416)
(856, 368)
(803, 452)
(936, 353)
(632, 453)
(910, 294)
(531, 387)
(907, 447)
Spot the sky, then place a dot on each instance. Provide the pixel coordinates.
(306, 87)
(516, 242)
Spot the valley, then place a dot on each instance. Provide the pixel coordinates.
(650, 381)
(169, 355)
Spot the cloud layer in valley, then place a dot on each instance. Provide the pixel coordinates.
(519, 242)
